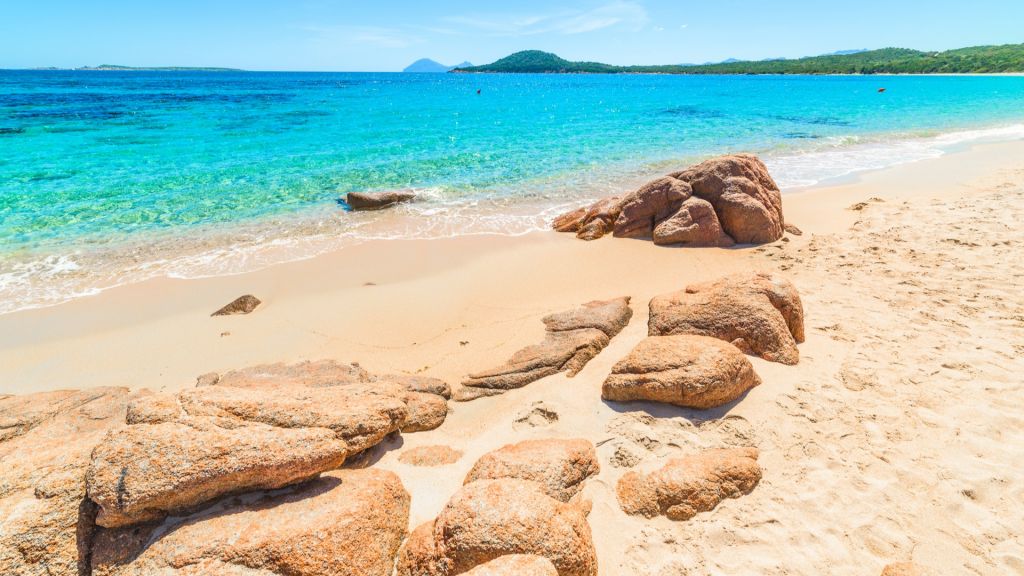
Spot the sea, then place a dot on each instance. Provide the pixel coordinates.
(113, 177)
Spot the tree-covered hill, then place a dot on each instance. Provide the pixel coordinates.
(978, 59)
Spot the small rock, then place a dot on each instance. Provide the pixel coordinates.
(792, 229)
(515, 565)
(559, 466)
(686, 486)
(241, 305)
(689, 371)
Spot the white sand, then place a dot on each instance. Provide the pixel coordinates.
(899, 436)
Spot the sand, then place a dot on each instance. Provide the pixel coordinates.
(899, 436)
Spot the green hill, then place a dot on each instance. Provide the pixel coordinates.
(978, 59)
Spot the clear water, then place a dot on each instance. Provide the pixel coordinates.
(112, 177)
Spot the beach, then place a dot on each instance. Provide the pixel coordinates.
(897, 437)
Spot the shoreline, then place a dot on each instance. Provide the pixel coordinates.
(250, 246)
(423, 297)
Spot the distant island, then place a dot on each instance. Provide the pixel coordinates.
(976, 60)
(115, 67)
(426, 65)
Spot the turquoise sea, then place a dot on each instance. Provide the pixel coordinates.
(113, 177)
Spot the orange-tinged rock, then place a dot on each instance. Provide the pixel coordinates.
(559, 466)
(515, 565)
(686, 486)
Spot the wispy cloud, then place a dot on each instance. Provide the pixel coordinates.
(616, 13)
(377, 36)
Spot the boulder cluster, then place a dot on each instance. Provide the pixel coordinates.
(521, 500)
(721, 202)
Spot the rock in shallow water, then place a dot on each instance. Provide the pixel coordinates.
(686, 486)
(689, 371)
(378, 200)
(760, 313)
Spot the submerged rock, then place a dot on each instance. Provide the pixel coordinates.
(760, 313)
(241, 305)
(559, 466)
(572, 339)
(378, 200)
(723, 201)
(346, 523)
(688, 371)
(686, 486)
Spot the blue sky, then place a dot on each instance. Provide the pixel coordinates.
(387, 35)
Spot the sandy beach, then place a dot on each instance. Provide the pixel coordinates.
(898, 436)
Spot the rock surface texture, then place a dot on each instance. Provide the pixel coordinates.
(559, 466)
(759, 313)
(346, 523)
(377, 200)
(515, 565)
(241, 305)
(721, 202)
(686, 370)
(573, 338)
(489, 519)
(686, 486)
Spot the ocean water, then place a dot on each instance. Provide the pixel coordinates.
(114, 177)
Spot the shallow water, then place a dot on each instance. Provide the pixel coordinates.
(113, 177)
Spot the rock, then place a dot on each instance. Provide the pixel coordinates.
(241, 305)
(515, 565)
(573, 338)
(725, 200)
(489, 519)
(426, 412)
(792, 229)
(592, 222)
(686, 486)
(147, 471)
(537, 415)
(608, 316)
(559, 466)
(686, 370)
(653, 203)
(758, 312)
(694, 224)
(425, 398)
(46, 522)
(430, 456)
(346, 523)
(377, 200)
(746, 199)
(468, 393)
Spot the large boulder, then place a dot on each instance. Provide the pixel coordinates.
(688, 371)
(489, 519)
(346, 523)
(426, 411)
(572, 339)
(559, 466)
(686, 486)
(758, 312)
(720, 202)
(745, 197)
(46, 521)
(515, 565)
(378, 200)
(147, 471)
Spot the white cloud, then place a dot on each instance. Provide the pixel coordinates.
(624, 13)
(684, 26)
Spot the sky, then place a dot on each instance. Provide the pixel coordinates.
(382, 35)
